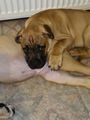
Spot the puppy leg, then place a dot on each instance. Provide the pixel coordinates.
(56, 53)
(70, 64)
(81, 52)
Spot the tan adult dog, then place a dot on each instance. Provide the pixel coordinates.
(52, 33)
(13, 68)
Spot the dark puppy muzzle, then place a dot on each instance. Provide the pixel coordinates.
(35, 56)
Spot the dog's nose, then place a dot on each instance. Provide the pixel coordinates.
(36, 63)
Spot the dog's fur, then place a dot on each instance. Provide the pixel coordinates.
(13, 68)
(59, 30)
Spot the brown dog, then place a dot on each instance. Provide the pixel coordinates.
(51, 34)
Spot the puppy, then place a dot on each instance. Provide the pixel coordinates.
(50, 34)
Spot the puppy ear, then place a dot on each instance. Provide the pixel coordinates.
(17, 39)
(48, 32)
(18, 36)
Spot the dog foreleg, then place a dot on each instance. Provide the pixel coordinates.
(56, 53)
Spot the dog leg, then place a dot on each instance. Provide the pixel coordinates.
(81, 52)
(56, 53)
(70, 64)
(62, 77)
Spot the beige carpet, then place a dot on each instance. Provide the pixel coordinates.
(37, 99)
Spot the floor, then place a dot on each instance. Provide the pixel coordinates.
(37, 99)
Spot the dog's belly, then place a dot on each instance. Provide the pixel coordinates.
(12, 63)
(13, 69)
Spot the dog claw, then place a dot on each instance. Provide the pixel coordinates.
(54, 68)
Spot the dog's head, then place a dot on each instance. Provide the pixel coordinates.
(34, 40)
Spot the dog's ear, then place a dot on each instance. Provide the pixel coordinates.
(17, 39)
(48, 33)
(18, 36)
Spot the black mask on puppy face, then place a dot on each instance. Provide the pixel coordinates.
(35, 56)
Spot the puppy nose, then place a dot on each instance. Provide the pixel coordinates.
(36, 63)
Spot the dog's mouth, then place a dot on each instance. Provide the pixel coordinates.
(35, 56)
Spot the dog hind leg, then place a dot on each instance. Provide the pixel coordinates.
(81, 52)
(72, 65)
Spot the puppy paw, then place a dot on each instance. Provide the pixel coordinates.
(55, 62)
(6, 111)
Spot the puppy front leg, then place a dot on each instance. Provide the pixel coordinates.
(55, 56)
